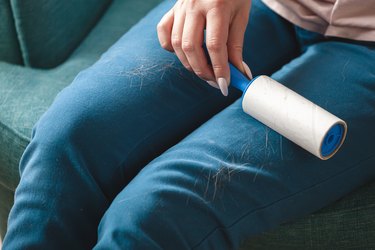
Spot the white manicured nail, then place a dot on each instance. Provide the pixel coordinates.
(213, 84)
(223, 84)
(247, 70)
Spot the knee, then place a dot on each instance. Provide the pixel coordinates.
(58, 128)
(64, 130)
(75, 116)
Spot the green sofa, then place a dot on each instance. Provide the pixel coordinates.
(45, 43)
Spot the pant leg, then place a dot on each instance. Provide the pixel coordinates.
(234, 178)
(116, 116)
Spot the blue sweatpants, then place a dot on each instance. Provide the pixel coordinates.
(138, 153)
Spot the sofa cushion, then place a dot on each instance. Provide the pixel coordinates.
(347, 224)
(49, 30)
(9, 46)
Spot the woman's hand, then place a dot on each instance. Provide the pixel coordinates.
(181, 30)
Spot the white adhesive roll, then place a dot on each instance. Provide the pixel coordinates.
(294, 117)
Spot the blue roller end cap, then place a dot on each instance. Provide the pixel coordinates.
(332, 140)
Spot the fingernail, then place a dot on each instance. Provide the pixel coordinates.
(247, 70)
(213, 84)
(223, 86)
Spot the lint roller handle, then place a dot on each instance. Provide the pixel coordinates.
(290, 114)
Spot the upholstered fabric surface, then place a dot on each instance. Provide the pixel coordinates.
(26, 93)
(347, 224)
(49, 30)
(9, 47)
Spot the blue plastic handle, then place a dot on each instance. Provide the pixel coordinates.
(238, 80)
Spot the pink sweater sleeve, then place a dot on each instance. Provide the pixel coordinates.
(352, 19)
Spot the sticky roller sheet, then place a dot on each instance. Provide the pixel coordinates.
(291, 115)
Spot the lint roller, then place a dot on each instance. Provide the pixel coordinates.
(291, 115)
